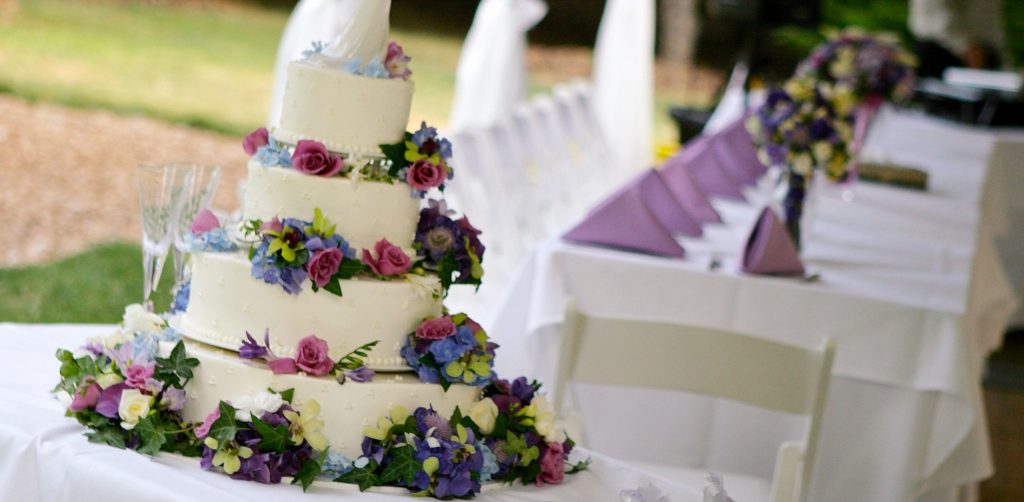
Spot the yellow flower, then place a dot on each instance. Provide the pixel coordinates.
(384, 424)
(412, 154)
(484, 414)
(285, 242)
(306, 425)
(229, 454)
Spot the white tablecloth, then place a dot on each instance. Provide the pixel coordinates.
(911, 287)
(45, 457)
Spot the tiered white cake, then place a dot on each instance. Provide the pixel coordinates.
(351, 114)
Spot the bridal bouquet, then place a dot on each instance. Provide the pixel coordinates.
(874, 66)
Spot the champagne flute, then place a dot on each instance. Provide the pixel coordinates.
(196, 196)
(159, 197)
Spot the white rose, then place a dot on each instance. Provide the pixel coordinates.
(108, 379)
(137, 320)
(544, 416)
(134, 406)
(258, 405)
(484, 414)
(425, 287)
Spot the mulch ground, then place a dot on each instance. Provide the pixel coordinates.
(67, 176)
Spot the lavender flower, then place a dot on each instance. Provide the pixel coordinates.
(361, 375)
(251, 349)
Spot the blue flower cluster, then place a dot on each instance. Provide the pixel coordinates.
(214, 241)
(374, 69)
(273, 154)
(181, 297)
(466, 356)
(305, 238)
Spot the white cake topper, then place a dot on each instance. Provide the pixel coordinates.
(364, 36)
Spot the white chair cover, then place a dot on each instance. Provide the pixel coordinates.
(491, 78)
(312, 20)
(624, 80)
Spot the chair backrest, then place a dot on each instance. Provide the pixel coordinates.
(711, 362)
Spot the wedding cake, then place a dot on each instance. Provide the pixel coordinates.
(311, 340)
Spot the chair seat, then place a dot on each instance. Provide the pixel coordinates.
(741, 488)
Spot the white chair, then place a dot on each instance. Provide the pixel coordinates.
(710, 362)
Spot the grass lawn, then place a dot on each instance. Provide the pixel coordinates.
(92, 287)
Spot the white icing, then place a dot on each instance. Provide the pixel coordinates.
(369, 311)
(347, 113)
(284, 194)
(345, 409)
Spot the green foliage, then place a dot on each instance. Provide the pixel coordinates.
(152, 434)
(355, 359)
(579, 466)
(175, 370)
(365, 477)
(109, 435)
(272, 438)
(286, 395)
(308, 472)
(403, 466)
(225, 427)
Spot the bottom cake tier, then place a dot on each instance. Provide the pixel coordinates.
(346, 409)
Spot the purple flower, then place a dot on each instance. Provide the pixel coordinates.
(436, 329)
(448, 350)
(203, 430)
(323, 265)
(251, 349)
(256, 139)
(361, 374)
(110, 399)
(552, 465)
(86, 396)
(523, 390)
(174, 399)
(424, 174)
(283, 366)
(136, 375)
(397, 62)
(427, 419)
(204, 222)
(390, 260)
(312, 157)
(312, 356)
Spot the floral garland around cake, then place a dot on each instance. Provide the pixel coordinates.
(423, 160)
(312, 357)
(450, 349)
(394, 66)
(449, 247)
(125, 393)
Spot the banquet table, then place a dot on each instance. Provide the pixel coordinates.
(910, 284)
(44, 455)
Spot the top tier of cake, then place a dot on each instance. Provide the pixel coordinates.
(343, 95)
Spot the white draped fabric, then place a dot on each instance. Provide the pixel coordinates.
(911, 288)
(624, 81)
(312, 20)
(45, 457)
(491, 78)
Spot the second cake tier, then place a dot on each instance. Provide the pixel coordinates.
(226, 302)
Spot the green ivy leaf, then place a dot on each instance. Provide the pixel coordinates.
(365, 478)
(225, 427)
(176, 370)
(447, 269)
(287, 395)
(272, 438)
(403, 466)
(308, 472)
(334, 287)
(350, 268)
(579, 466)
(152, 434)
(112, 436)
(396, 154)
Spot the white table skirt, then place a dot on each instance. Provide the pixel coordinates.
(911, 287)
(44, 455)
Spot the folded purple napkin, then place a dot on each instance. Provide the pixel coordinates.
(735, 148)
(663, 205)
(689, 194)
(770, 249)
(624, 221)
(699, 158)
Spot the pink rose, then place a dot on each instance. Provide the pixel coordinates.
(312, 157)
(391, 260)
(552, 465)
(205, 221)
(313, 356)
(323, 265)
(397, 62)
(424, 175)
(436, 329)
(203, 430)
(138, 375)
(86, 396)
(256, 139)
(283, 366)
(473, 325)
